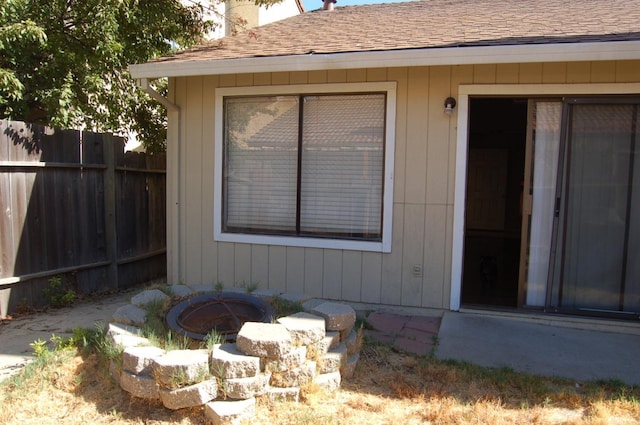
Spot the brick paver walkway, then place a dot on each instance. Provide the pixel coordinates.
(413, 334)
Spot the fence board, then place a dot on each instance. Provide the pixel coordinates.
(54, 217)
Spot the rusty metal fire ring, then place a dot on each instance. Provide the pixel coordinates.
(223, 312)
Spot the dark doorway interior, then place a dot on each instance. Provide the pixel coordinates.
(493, 220)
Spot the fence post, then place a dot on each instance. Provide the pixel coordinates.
(110, 228)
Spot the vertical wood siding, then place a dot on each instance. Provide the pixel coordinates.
(425, 154)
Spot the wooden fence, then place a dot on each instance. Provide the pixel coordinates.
(74, 205)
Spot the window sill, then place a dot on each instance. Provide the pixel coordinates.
(303, 242)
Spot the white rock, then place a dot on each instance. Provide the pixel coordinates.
(295, 297)
(334, 359)
(181, 367)
(230, 412)
(264, 339)
(283, 394)
(139, 386)
(130, 315)
(228, 362)
(265, 294)
(191, 396)
(126, 341)
(349, 367)
(139, 360)
(244, 388)
(120, 329)
(295, 377)
(305, 328)
(328, 381)
(151, 296)
(338, 317)
(352, 342)
(322, 347)
(292, 360)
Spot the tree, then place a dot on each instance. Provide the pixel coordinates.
(64, 63)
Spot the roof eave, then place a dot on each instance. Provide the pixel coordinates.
(559, 52)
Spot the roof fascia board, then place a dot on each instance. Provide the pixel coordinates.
(564, 52)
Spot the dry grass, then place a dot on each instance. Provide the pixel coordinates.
(389, 387)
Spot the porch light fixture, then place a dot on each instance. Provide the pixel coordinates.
(449, 105)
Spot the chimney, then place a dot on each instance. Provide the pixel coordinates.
(328, 4)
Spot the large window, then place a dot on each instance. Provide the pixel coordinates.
(305, 168)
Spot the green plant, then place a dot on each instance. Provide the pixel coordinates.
(178, 378)
(284, 307)
(363, 323)
(49, 354)
(155, 318)
(219, 371)
(59, 295)
(180, 342)
(40, 348)
(436, 341)
(99, 340)
(181, 378)
(250, 287)
(167, 290)
(211, 339)
(219, 287)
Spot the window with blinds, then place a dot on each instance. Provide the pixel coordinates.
(304, 165)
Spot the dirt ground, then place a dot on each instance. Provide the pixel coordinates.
(388, 387)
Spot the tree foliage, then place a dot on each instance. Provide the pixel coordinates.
(64, 63)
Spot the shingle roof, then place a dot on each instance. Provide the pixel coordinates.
(430, 24)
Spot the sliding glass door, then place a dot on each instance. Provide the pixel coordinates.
(581, 205)
(596, 236)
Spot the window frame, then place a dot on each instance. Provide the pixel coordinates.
(384, 245)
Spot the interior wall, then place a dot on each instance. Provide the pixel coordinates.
(418, 270)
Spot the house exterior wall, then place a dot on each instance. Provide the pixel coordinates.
(417, 272)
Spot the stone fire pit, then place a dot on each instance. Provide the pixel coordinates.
(223, 312)
(274, 359)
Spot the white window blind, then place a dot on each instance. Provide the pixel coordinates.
(261, 157)
(342, 165)
(315, 169)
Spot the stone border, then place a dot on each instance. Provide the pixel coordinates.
(319, 346)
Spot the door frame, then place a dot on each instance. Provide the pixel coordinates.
(462, 137)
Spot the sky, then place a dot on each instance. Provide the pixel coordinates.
(317, 4)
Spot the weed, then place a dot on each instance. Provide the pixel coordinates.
(167, 290)
(180, 342)
(181, 378)
(363, 323)
(211, 339)
(285, 308)
(218, 370)
(99, 340)
(49, 355)
(40, 348)
(154, 320)
(219, 287)
(223, 388)
(59, 295)
(152, 337)
(436, 341)
(251, 287)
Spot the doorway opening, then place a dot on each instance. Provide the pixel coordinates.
(493, 221)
